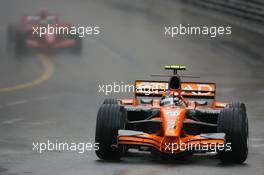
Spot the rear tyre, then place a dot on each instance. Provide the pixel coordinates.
(237, 104)
(110, 118)
(234, 123)
(20, 43)
(77, 48)
(11, 33)
(110, 101)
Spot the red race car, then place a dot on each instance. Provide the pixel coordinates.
(43, 32)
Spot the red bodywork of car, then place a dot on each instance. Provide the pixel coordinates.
(49, 40)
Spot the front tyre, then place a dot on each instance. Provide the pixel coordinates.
(234, 123)
(110, 118)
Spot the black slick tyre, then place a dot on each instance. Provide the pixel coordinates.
(110, 118)
(234, 123)
(237, 104)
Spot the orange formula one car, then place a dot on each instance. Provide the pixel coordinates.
(173, 119)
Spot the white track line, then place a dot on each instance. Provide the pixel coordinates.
(16, 103)
(261, 91)
(257, 145)
(257, 142)
(36, 123)
(257, 139)
(12, 121)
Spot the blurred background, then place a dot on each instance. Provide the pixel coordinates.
(53, 95)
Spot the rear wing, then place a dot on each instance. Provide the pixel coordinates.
(189, 89)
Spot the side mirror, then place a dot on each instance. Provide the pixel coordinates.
(175, 83)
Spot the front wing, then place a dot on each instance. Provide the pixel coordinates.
(171, 145)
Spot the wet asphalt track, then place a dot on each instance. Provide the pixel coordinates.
(131, 46)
